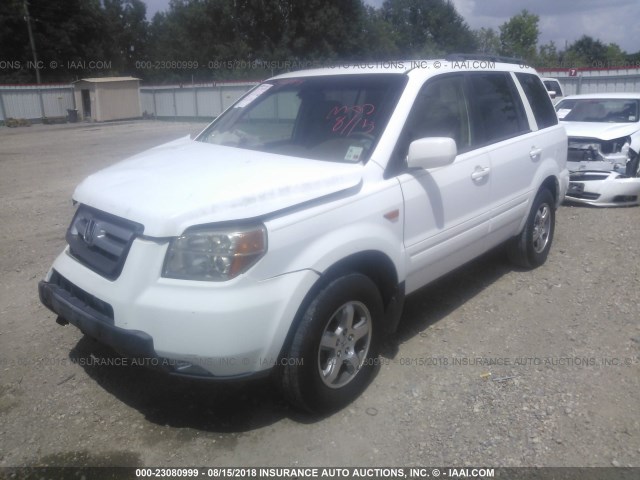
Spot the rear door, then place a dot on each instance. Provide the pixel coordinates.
(515, 151)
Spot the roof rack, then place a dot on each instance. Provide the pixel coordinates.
(461, 57)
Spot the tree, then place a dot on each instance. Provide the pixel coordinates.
(14, 43)
(488, 41)
(590, 52)
(615, 55)
(311, 30)
(128, 31)
(233, 37)
(378, 37)
(73, 38)
(586, 51)
(519, 36)
(193, 39)
(548, 56)
(427, 27)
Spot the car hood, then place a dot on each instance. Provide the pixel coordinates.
(601, 131)
(183, 183)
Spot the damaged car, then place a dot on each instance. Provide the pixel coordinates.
(604, 146)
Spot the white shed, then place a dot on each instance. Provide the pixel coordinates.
(108, 98)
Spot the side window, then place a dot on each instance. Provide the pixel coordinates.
(538, 99)
(498, 112)
(440, 110)
(553, 86)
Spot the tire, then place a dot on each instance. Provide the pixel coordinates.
(531, 247)
(334, 349)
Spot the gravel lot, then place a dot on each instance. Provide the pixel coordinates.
(491, 367)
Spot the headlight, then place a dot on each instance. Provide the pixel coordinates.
(618, 145)
(214, 255)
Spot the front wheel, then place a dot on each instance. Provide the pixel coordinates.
(531, 247)
(334, 348)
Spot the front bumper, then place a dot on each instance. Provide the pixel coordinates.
(603, 189)
(227, 330)
(74, 310)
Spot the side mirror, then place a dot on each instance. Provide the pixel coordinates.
(432, 152)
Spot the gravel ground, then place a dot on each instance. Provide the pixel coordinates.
(491, 367)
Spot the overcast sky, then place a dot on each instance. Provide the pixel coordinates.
(563, 21)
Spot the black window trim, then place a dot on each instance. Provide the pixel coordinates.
(518, 78)
(397, 166)
(476, 115)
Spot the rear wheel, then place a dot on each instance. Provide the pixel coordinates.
(332, 355)
(531, 247)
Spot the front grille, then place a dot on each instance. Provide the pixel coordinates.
(583, 154)
(625, 198)
(87, 299)
(101, 241)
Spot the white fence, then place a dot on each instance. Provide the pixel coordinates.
(207, 101)
(48, 101)
(597, 81)
(35, 102)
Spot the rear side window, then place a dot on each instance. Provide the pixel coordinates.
(538, 99)
(498, 112)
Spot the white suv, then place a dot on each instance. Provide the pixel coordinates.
(284, 238)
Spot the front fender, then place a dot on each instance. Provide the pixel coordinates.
(319, 237)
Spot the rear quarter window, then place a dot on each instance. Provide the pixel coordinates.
(539, 100)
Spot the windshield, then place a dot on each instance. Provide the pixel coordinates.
(606, 110)
(337, 118)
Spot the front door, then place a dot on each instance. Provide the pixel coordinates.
(447, 209)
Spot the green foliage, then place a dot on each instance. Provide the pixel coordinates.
(488, 41)
(70, 37)
(589, 52)
(254, 38)
(586, 50)
(427, 27)
(127, 28)
(615, 56)
(548, 56)
(214, 40)
(519, 36)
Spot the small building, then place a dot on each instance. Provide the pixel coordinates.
(108, 98)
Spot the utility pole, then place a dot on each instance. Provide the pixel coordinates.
(31, 40)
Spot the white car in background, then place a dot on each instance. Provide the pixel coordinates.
(604, 147)
(554, 88)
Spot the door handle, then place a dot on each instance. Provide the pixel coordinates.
(534, 153)
(479, 173)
